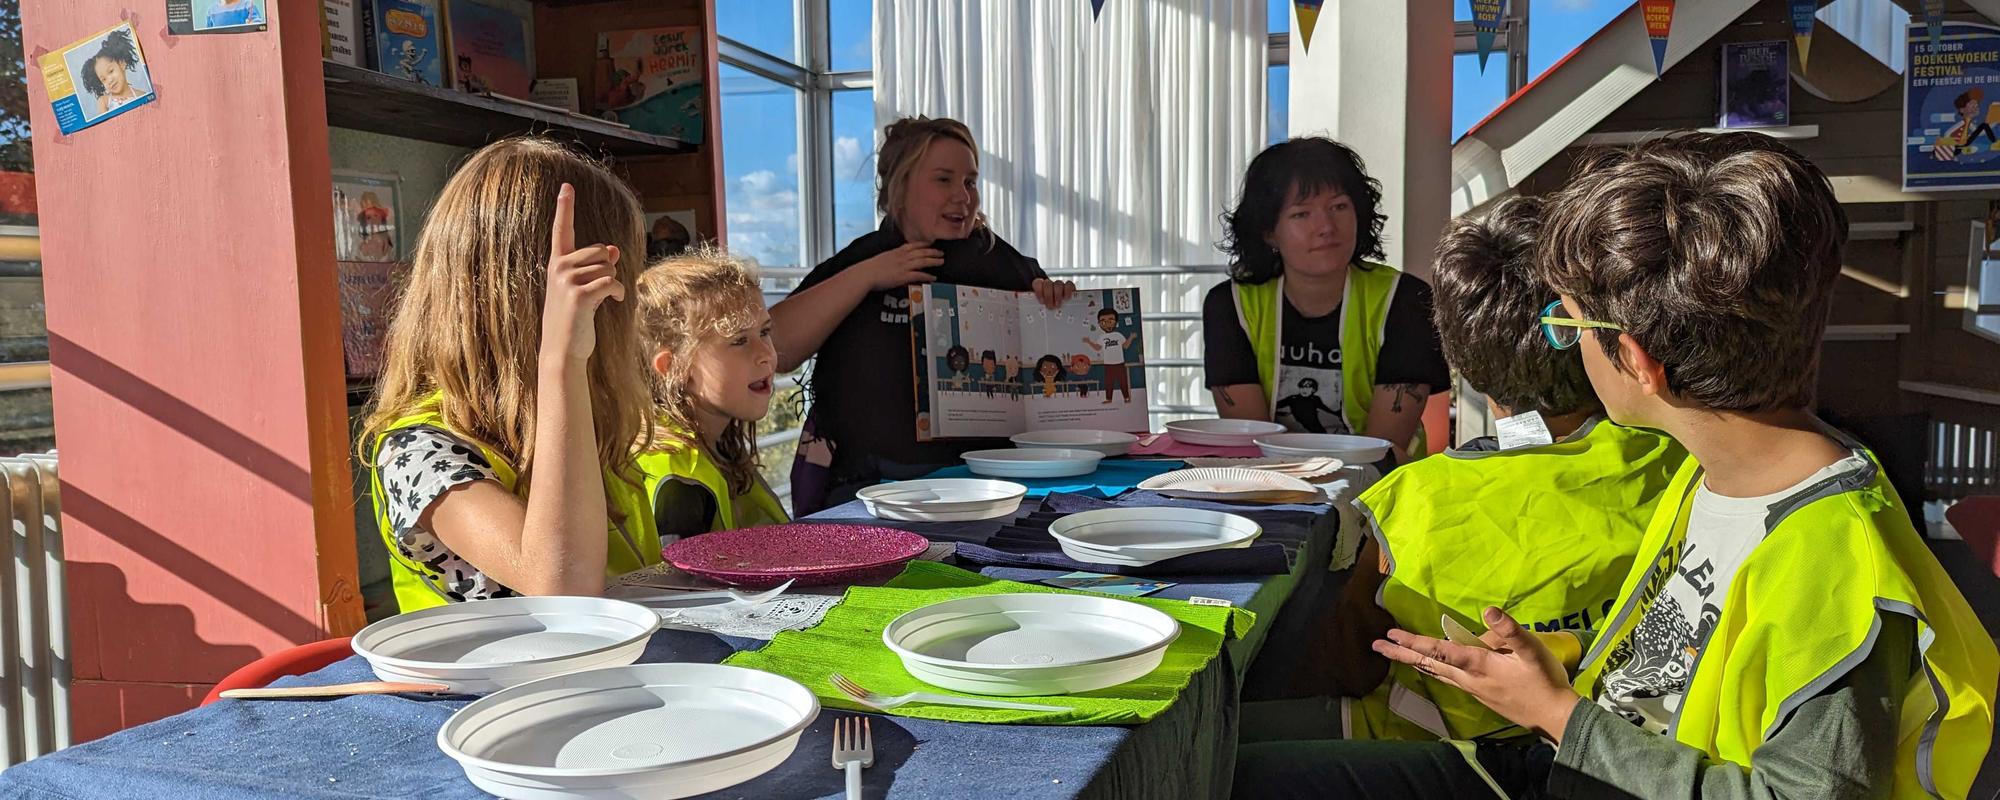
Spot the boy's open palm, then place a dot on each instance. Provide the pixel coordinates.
(1520, 678)
(578, 282)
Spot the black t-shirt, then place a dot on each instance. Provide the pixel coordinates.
(863, 386)
(1309, 366)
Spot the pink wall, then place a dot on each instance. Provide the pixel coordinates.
(195, 337)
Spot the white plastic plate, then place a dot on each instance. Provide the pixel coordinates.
(1221, 482)
(1351, 449)
(1109, 443)
(1022, 645)
(637, 731)
(1140, 536)
(1032, 463)
(486, 645)
(1222, 432)
(943, 499)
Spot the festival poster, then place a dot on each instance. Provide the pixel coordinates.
(1485, 25)
(1804, 16)
(1951, 103)
(1659, 16)
(186, 17)
(97, 78)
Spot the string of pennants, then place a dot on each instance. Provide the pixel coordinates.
(1658, 15)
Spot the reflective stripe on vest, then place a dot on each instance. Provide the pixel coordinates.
(1803, 610)
(1366, 295)
(1547, 533)
(633, 543)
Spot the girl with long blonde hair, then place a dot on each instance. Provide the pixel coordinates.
(702, 319)
(502, 439)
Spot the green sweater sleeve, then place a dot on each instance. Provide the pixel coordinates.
(1838, 745)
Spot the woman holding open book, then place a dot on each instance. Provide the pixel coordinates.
(852, 311)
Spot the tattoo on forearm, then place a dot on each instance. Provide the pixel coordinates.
(1415, 392)
(1222, 394)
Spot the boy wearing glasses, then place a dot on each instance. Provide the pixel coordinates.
(1784, 632)
(1544, 522)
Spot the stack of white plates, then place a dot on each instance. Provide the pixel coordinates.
(1222, 432)
(640, 731)
(1232, 483)
(1351, 449)
(487, 645)
(1136, 537)
(1024, 645)
(1032, 463)
(1110, 443)
(943, 499)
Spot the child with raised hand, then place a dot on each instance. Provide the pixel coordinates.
(702, 319)
(502, 437)
(1784, 632)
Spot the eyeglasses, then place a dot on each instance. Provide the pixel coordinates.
(1564, 331)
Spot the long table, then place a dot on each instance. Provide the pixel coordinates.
(385, 746)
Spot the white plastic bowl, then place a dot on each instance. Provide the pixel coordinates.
(1110, 443)
(487, 645)
(1140, 536)
(943, 499)
(1350, 449)
(1222, 432)
(1032, 463)
(636, 731)
(1030, 645)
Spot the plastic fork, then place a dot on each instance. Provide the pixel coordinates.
(853, 750)
(883, 702)
(733, 595)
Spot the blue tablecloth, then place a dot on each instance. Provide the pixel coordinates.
(369, 747)
(1114, 476)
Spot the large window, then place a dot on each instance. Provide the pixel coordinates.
(760, 164)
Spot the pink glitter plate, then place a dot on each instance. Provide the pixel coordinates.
(812, 554)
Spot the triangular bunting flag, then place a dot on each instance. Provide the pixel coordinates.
(1308, 15)
(1934, 21)
(1803, 12)
(1659, 16)
(1485, 23)
(1096, 8)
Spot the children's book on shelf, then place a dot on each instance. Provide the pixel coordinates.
(367, 297)
(1756, 85)
(364, 217)
(340, 32)
(407, 40)
(651, 80)
(998, 363)
(489, 50)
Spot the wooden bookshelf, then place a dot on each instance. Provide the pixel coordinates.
(367, 100)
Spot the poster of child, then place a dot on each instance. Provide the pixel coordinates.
(364, 217)
(97, 78)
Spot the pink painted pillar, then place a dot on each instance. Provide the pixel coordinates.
(194, 331)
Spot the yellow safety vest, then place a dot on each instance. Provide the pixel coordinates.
(1803, 609)
(1364, 313)
(633, 542)
(1547, 533)
(688, 464)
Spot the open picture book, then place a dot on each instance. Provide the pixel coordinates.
(997, 363)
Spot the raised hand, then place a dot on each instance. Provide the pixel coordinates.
(578, 281)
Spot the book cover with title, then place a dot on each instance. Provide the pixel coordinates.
(651, 79)
(1756, 85)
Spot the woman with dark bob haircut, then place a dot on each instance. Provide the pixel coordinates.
(1311, 330)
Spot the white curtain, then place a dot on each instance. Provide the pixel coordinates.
(1114, 142)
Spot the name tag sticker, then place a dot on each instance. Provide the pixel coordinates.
(1523, 430)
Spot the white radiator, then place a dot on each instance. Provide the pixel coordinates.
(34, 631)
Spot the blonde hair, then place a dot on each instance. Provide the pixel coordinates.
(469, 324)
(683, 300)
(904, 144)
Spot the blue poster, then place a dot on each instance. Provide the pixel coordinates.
(1951, 101)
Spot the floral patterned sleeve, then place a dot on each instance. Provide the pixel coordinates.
(417, 466)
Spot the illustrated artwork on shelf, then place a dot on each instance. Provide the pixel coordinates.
(407, 42)
(489, 48)
(651, 80)
(1756, 85)
(669, 234)
(186, 17)
(365, 217)
(97, 78)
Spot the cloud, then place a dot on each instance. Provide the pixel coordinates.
(758, 182)
(792, 164)
(848, 159)
(763, 214)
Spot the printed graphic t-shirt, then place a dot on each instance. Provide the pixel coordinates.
(1309, 366)
(1650, 670)
(1113, 345)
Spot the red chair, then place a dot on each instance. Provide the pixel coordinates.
(291, 661)
(1977, 520)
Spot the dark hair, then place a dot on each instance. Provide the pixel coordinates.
(1303, 381)
(1104, 312)
(116, 48)
(1487, 302)
(1717, 253)
(1047, 360)
(987, 355)
(1292, 169)
(957, 354)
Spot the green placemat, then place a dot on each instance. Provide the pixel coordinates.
(849, 641)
